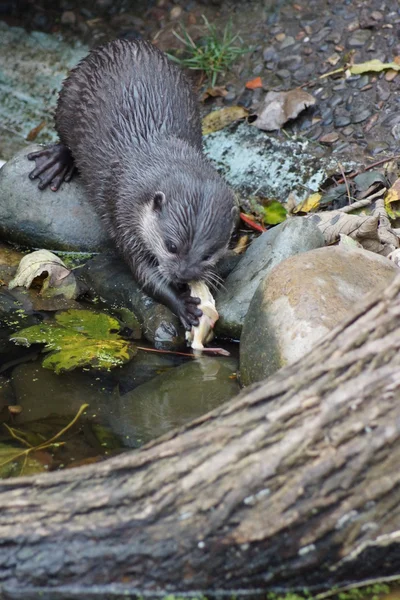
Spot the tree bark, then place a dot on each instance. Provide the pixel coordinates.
(295, 483)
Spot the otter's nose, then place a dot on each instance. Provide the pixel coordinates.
(187, 274)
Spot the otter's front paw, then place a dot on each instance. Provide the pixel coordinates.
(188, 310)
(54, 165)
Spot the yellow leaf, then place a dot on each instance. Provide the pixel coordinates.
(309, 204)
(373, 65)
(218, 119)
(393, 196)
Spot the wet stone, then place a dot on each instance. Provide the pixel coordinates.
(316, 133)
(360, 116)
(383, 91)
(269, 53)
(395, 131)
(336, 100)
(348, 131)
(377, 146)
(363, 81)
(230, 96)
(283, 73)
(318, 37)
(288, 41)
(342, 121)
(290, 62)
(359, 38)
(258, 69)
(328, 120)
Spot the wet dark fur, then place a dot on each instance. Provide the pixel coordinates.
(131, 122)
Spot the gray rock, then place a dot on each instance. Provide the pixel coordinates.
(303, 299)
(172, 399)
(110, 279)
(361, 115)
(44, 219)
(358, 38)
(292, 237)
(342, 121)
(250, 159)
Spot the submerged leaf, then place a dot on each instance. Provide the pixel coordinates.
(78, 338)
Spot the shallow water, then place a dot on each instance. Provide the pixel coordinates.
(127, 406)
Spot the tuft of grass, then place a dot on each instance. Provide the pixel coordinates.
(213, 54)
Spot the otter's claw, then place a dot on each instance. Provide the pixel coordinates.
(54, 165)
(189, 313)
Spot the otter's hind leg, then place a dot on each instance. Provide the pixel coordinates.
(54, 165)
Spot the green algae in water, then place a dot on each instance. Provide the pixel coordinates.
(78, 338)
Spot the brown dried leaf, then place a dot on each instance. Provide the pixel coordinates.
(279, 107)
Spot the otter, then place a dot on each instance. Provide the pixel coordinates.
(128, 122)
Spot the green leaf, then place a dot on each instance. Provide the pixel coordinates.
(78, 338)
(373, 65)
(274, 213)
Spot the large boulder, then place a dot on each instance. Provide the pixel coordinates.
(63, 220)
(294, 236)
(301, 300)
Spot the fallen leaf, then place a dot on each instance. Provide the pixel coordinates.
(392, 200)
(279, 107)
(373, 65)
(77, 338)
(60, 279)
(364, 229)
(274, 213)
(218, 119)
(311, 203)
(32, 135)
(214, 92)
(348, 242)
(249, 220)
(241, 245)
(254, 84)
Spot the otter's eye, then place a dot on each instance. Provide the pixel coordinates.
(207, 257)
(171, 247)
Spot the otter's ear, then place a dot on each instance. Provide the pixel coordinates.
(158, 201)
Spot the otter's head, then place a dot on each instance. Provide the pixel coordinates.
(187, 227)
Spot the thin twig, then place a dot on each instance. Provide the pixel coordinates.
(361, 203)
(369, 167)
(346, 182)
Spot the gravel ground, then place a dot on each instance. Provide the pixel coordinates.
(292, 44)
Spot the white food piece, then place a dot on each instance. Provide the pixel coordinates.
(203, 333)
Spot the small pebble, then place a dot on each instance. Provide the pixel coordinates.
(288, 41)
(360, 116)
(329, 138)
(68, 18)
(359, 38)
(175, 13)
(342, 121)
(348, 131)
